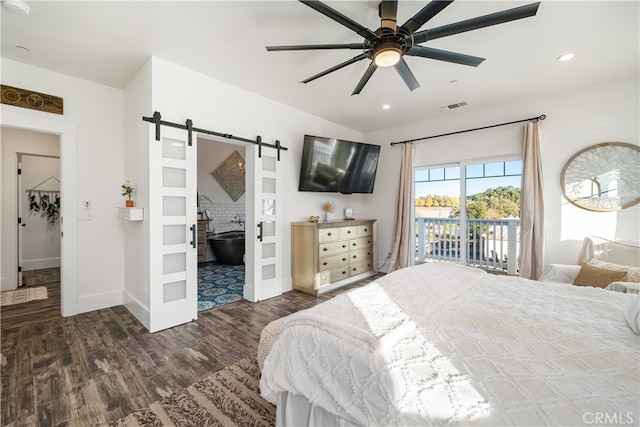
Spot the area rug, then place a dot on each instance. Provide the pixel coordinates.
(230, 397)
(219, 284)
(21, 295)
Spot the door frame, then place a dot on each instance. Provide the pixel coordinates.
(66, 132)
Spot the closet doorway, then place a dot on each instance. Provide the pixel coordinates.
(31, 207)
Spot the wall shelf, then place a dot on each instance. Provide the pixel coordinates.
(131, 214)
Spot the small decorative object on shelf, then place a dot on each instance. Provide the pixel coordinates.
(128, 190)
(327, 208)
(314, 218)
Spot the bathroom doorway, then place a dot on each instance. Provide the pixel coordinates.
(221, 222)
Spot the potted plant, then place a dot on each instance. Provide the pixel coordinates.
(127, 190)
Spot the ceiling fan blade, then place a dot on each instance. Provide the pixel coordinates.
(337, 67)
(445, 55)
(429, 11)
(403, 69)
(478, 22)
(388, 14)
(365, 78)
(359, 46)
(340, 18)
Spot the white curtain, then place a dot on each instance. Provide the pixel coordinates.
(531, 206)
(402, 242)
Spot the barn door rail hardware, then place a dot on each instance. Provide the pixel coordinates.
(188, 126)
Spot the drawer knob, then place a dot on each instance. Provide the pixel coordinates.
(344, 259)
(324, 263)
(344, 272)
(354, 269)
(344, 246)
(348, 231)
(354, 244)
(365, 230)
(329, 234)
(354, 257)
(324, 249)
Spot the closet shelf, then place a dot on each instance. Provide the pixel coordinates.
(131, 214)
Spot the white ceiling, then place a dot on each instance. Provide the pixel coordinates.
(108, 42)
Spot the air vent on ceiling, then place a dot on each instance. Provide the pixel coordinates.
(454, 106)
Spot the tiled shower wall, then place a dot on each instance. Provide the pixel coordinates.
(222, 214)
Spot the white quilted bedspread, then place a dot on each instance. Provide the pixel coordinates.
(443, 344)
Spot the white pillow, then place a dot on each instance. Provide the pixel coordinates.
(633, 314)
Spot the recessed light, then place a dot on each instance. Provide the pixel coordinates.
(566, 57)
(386, 106)
(17, 6)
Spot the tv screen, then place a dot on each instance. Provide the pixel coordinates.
(336, 165)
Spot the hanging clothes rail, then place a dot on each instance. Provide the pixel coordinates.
(44, 182)
(188, 126)
(532, 119)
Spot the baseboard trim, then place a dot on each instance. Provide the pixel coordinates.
(99, 301)
(39, 264)
(139, 310)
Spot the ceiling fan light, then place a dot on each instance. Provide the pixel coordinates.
(388, 56)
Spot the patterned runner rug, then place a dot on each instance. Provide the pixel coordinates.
(18, 296)
(230, 397)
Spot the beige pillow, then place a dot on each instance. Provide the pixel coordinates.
(633, 273)
(591, 275)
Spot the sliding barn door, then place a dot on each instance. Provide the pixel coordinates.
(173, 288)
(264, 278)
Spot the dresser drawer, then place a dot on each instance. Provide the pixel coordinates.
(348, 232)
(360, 255)
(333, 248)
(333, 262)
(364, 230)
(324, 278)
(339, 274)
(328, 234)
(362, 243)
(360, 267)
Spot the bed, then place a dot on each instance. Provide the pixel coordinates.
(443, 344)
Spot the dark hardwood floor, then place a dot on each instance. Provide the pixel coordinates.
(94, 368)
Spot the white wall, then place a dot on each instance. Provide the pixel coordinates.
(40, 238)
(96, 113)
(576, 119)
(181, 94)
(136, 169)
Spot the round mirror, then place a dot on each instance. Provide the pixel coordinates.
(603, 177)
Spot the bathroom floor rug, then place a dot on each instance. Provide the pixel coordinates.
(219, 284)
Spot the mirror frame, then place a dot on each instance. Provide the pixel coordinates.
(595, 147)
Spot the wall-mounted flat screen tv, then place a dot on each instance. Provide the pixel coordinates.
(336, 165)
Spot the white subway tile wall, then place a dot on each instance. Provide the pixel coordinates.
(222, 214)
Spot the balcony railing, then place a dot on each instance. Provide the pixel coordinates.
(493, 244)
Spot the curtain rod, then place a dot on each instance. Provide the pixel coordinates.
(535, 119)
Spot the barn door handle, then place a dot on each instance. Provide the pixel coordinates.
(194, 242)
(260, 224)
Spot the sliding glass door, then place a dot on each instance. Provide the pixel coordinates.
(469, 213)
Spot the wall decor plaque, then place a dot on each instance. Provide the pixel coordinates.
(230, 175)
(33, 100)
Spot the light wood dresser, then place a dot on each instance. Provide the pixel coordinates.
(330, 254)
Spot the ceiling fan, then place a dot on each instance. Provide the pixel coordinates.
(387, 45)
